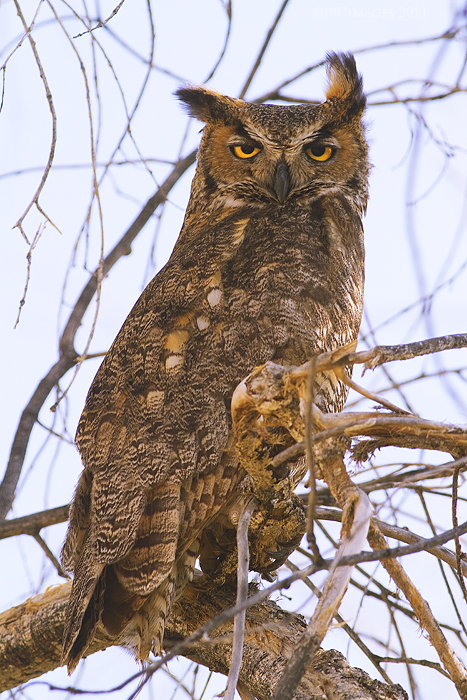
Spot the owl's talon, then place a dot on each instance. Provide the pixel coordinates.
(218, 548)
(283, 553)
(268, 577)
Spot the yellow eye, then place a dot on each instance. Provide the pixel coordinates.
(320, 153)
(246, 151)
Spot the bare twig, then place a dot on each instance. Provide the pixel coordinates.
(460, 557)
(102, 23)
(414, 476)
(389, 353)
(263, 49)
(310, 460)
(417, 99)
(355, 528)
(342, 374)
(418, 662)
(242, 593)
(50, 555)
(35, 199)
(228, 10)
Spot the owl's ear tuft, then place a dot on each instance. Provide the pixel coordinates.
(209, 106)
(344, 82)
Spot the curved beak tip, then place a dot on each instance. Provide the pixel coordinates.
(282, 181)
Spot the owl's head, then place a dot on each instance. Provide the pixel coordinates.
(258, 154)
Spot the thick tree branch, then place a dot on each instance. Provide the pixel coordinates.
(30, 645)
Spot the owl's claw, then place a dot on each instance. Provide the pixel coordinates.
(281, 554)
(267, 577)
(218, 548)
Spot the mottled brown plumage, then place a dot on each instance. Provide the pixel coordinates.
(268, 266)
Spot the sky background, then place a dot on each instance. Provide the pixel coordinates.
(416, 281)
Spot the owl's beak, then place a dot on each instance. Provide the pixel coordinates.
(282, 181)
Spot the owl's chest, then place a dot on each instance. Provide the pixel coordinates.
(287, 290)
(292, 278)
(297, 249)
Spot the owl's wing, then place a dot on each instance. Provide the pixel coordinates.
(151, 438)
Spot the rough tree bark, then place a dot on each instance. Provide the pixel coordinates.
(31, 636)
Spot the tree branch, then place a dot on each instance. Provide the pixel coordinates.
(355, 523)
(452, 664)
(31, 633)
(32, 524)
(389, 353)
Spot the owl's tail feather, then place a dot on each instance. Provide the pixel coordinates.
(145, 632)
(152, 555)
(79, 522)
(108, 602)
(115, 593)
(83, 612)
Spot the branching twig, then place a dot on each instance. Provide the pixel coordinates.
(275, 93)
(263, 49)
(102, 23)
(32, 245)
(451, 662)
(355, 528)
(375, 660)
(35, 199)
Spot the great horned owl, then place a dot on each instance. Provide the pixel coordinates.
(268, 266)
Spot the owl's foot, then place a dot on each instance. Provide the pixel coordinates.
(278, 536)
